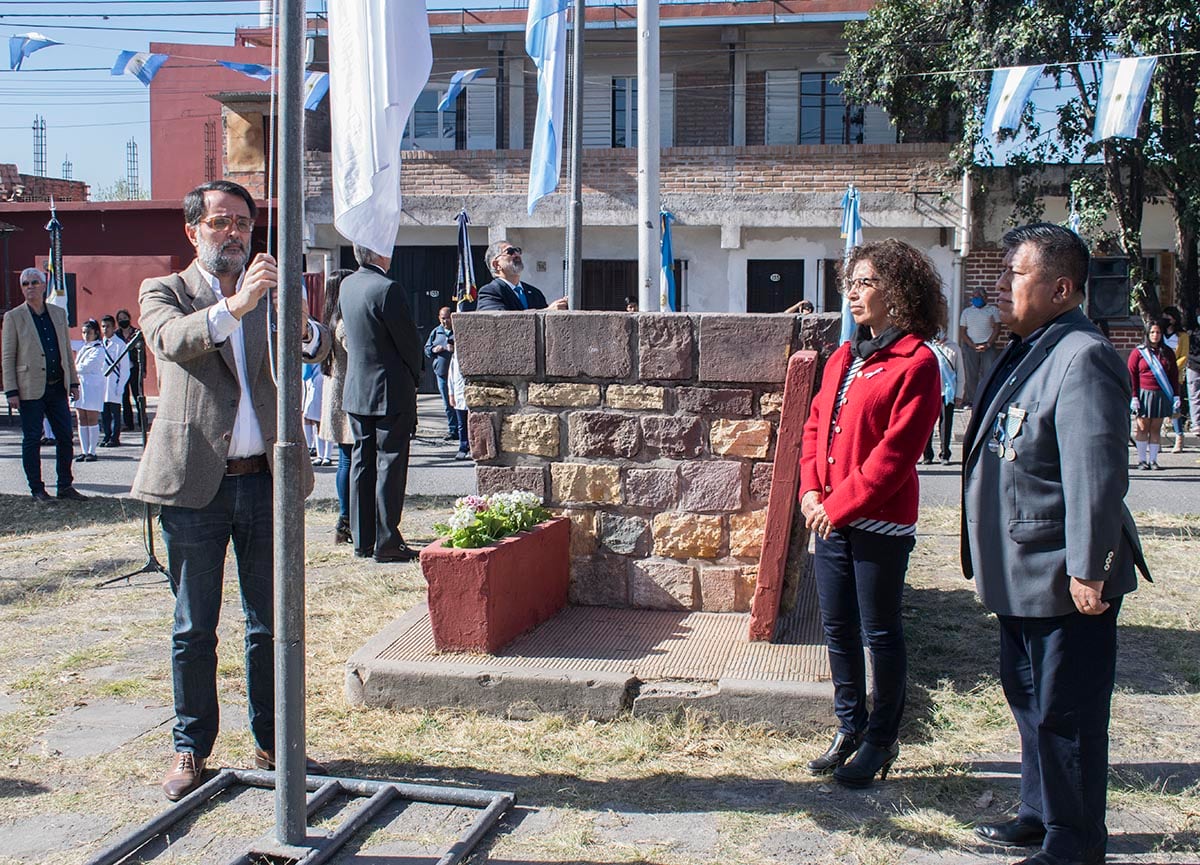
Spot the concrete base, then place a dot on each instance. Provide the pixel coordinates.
(601, 663)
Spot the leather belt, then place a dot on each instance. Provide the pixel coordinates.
(247, 465)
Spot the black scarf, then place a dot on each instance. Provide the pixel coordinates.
(863, 345)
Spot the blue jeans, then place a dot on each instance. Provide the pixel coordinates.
(451, 414)
(860, 583)
(464, 446)
(196, 540)
(53, 407)
(341, 480)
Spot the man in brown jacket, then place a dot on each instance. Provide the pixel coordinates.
(209, 459)
(39, 371)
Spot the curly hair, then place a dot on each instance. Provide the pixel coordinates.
(908, 282)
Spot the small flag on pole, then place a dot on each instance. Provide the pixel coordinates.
(852, 233)
(253, 70)
(1011, 89)
(460, 80)
(546, 44)
(1123, 87)
(465, 288)
(141, 64)
(20, 47)
(669, 300)
(316, 85)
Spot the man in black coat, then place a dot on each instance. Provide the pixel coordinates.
(507, 291)
(383, 366)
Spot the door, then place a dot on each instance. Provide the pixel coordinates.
(832, 296)
(606, 283)
(772, 285)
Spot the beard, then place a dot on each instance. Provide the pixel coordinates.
(517, 267)
(217, 259)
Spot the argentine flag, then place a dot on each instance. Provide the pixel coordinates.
(1011, 89)
(254, 70)
(316, 85)
(20, 47)
(460, 80)
(141, 64)
(1123, 86)
(546, 44)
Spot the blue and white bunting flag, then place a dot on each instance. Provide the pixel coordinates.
(1123, 86)
(546, 44)
(253, 70)
(460, 80)
(20, 47)
(316, 85)
(141, 64)
(1011, 89)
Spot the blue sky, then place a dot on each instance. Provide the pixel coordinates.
(89, 114)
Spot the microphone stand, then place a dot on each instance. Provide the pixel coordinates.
(152, 565)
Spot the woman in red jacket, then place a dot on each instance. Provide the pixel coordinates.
(1154, 376)
(879, 398)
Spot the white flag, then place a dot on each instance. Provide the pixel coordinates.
(1123, 86)
(379, 61)
(1011, 88)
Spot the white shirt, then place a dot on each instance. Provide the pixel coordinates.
(978, 321)
(246, 440)
(114, 384)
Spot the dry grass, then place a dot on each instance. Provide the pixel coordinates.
(669, 791)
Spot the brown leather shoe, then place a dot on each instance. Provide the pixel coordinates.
(184, 775)
(264, 759)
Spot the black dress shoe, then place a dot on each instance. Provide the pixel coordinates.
(42, 496)
(1012, 833)
(81, 458)
(403, 554)
(839, 751)
(869, 759)
(91, 458)
(72, 494)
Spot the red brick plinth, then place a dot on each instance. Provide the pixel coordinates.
(481, 599)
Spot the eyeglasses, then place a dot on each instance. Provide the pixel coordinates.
(223, 223)
(860, 284)
(513, 250)
(31, 284)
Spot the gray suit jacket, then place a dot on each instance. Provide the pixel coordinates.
(1056, 510)
(383, 349)
(185, 456)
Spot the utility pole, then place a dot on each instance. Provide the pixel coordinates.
(575, 222)
(649, 200)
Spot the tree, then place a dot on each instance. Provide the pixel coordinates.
(893, 51)
(118, 190)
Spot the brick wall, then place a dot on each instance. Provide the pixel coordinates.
(15, 186)
(702, 117)
(654, 433)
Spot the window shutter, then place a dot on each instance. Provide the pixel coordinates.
(783, 106)
(877, 126)
(666, 109)
(481, 114)
(597, 111)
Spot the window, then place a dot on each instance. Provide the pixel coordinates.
(469, 124)
(610, 111)
(808, 108)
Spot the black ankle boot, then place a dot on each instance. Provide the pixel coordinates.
(843, 745)
(341, 531)
(860, 772)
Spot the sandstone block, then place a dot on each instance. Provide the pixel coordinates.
(496, 343)
(488, 394)
(712, 485)
(589, 345)
(600, 581)
(746, 533)
(651, 488)
(563, 395)
(741, 438)
(718, 588)
(583, 530)
(635, 396)
(679, 437)
(623, 535)
(662, 585)
(535, 434)
(481, 433)
(744, 597)
(503, 479)
(745, 348)
(583, 482)
(680, 535)
(603, 434)
(665, 345)
(727, 402)
(760, 482)
(770, 404)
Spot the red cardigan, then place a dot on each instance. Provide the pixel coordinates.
(1140, 376)
(868, 468)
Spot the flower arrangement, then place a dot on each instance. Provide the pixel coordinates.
(481, 520)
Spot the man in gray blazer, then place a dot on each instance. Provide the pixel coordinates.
(383, 367)
(208, 463)
(1051, 548)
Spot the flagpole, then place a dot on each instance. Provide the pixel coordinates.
(649, 201)
(575, 223)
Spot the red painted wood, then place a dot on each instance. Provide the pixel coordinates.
(481, 599)
(781, 505)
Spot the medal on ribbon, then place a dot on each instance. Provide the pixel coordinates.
(1013, 421)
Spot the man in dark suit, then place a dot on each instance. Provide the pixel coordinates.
(1045, 465)
(507, 291)
(383, 367)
